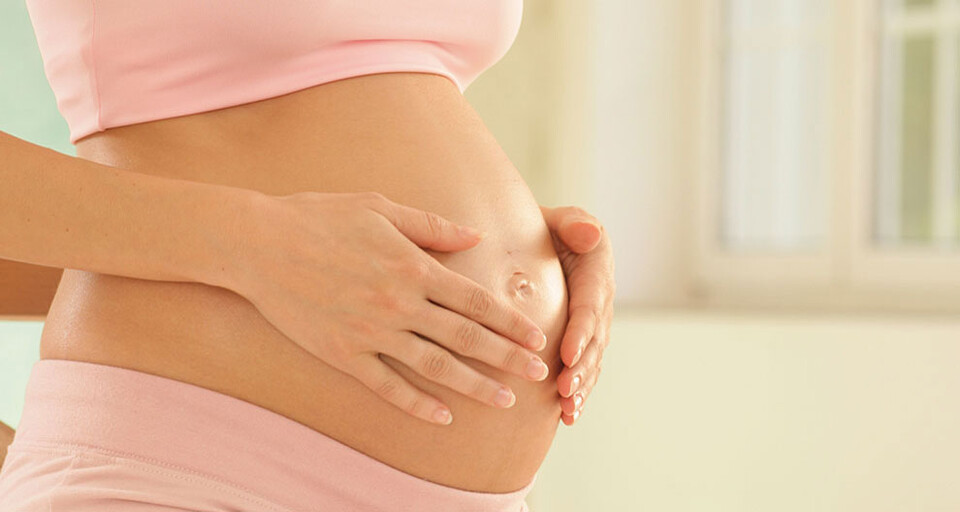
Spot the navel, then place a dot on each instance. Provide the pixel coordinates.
(522, 286)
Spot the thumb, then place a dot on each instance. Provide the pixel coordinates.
(431, 231)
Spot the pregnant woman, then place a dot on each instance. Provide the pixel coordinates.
(267, 302)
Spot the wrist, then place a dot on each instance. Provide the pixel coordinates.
(235, 236)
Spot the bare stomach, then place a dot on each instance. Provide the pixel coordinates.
(411, 137)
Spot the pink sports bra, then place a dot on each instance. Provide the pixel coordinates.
(117, 62)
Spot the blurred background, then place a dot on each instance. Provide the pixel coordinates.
(781, 182)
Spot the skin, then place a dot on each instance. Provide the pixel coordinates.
(244, 340)
(382, 283)
(587, 258)
(6, 437)
(217, 334)
(588, 266)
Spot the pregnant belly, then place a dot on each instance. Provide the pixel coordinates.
(411, 137)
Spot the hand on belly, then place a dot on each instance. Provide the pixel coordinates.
(355, 285)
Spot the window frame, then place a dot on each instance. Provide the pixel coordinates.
(850, 271)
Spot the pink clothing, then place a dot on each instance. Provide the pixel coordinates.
(117, 62)
(101, 438)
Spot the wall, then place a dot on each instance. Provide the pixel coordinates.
(539, 101)
(28, 108)
(748, 413)
(19, 349)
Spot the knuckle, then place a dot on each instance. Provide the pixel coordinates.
(585, 316)
(359, 326)
(339, 349)
(482, 390)
(414, 405)
(487, 390)
(514, 359)
(517, 321)
(416, 269)
(591, 315)
(469, 336)
(433, 225)
(479, 301)
(386, 300)
(591, 385)
(593, 356)
(389, 389)
(436, 364)
(372, 196)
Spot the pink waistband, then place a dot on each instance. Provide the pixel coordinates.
(183, 425)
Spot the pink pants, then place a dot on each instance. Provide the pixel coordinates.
(101, 438)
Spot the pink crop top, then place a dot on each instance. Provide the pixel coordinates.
(117, 62)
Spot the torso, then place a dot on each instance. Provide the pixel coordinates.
(412, 137)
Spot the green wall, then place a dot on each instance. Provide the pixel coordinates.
(28, 110)
(19, 348)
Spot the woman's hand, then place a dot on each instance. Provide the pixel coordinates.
(343, 276)
(587, 259)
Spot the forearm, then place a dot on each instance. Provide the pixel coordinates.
(66, 212)
(6, 437)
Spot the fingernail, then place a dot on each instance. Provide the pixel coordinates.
(469, 232)
(505, 398)
(577, 400)
(579, 353)
(536, 340)
(576, 414)
(575, 385)
(537, 370)
(442, 416)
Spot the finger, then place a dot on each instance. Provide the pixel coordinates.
(577, 408)
(570, 419)
(590, 284)
(580, 328)
(602, 335)
(572, 407)
(392, 387)
(578, 230)
(466, 337)
(572, 404)
(568, 382)
(427, 229)
(461, 294)
(576, 402)
(585, 370)
(437, 364)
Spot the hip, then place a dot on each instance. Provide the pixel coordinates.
(174, 446)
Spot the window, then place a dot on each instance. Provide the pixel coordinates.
(775, 124)
(830, 168)
(917, 185)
